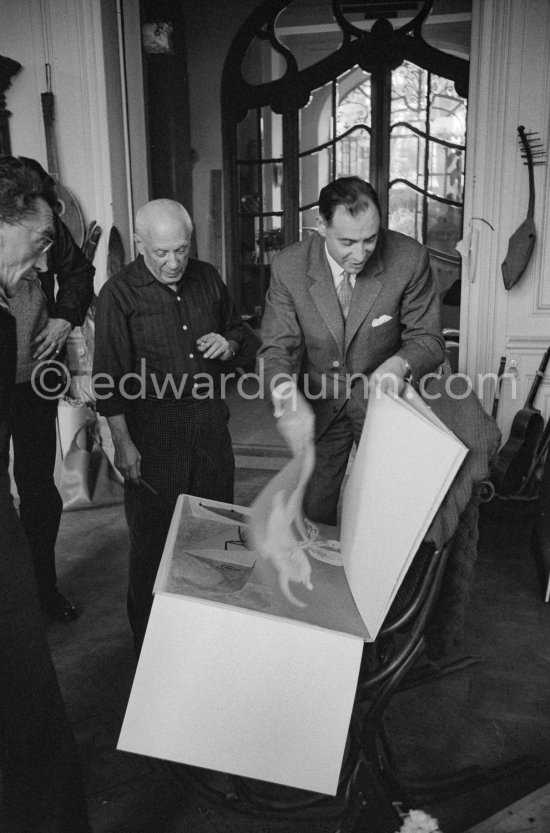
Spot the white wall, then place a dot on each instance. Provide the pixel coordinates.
(69, 35)
(510, 72)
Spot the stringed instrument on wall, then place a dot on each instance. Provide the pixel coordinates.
(91, 239)
(522, 242)
(68, 208)
(517, 454)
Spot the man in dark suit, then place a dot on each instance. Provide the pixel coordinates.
(349, 311)
(167, 319)
(41, 783)
(46, 307)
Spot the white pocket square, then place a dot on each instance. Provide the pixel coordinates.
(382, 320)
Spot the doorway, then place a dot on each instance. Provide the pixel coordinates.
(312, 91)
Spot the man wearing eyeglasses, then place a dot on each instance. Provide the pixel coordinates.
(44, 320)
(41, 784)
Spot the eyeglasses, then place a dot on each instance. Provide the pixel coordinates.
(45, 243)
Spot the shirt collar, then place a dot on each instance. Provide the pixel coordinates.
(337, 270)
(142, 276)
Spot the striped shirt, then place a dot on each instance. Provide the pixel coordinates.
(145, 328)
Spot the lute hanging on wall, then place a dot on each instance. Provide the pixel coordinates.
(69, 210)
(522, 242)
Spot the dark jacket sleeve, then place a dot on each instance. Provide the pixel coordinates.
(75, 278)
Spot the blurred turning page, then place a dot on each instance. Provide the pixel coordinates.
(405, 463)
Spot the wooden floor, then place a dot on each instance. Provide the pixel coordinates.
(530, 815)
(486, 715)
(498, 710)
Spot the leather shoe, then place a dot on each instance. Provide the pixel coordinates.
(60, 608)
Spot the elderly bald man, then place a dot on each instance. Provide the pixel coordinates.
(168, 321)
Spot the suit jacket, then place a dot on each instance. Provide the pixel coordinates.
(303, 331)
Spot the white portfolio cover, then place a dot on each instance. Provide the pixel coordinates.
(239, 676)
(404, 465)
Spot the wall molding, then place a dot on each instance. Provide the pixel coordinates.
(510, 57)
(480, 306)
(527, 344)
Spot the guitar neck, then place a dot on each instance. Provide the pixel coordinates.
(496, 396)
(529, 158)
(51, 147)
(539, 376)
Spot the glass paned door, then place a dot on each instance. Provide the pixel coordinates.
(316, 90)
(260, 182)
(426, 177)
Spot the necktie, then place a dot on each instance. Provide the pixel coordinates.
(344, 292)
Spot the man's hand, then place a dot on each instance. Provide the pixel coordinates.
(215, 346)
(389, 377)
(50, 340)
(295, 419)
(127, 458)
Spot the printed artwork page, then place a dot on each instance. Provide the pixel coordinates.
(207, 524)
(209, 555)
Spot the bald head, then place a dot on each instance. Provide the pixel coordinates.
(159, 214)
(163, 237)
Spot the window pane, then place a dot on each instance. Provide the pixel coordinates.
(315, 172)
(316, 134)
(247, 136)
(409, 96)
(260, 167)
(444, 227)
(353, 120)
(249, 191)
(448, 124)
(272, 185)
(341, 109)
(407, 155)
(440, 115)
(308, 222)
(353, 154)
(405, 210)
(427, 134)
(444, 232)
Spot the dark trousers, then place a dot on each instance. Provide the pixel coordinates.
(41, 784)
(33, 430)
(332, 450)
(185, 448)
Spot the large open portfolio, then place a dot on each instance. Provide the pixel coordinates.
(239, 677)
